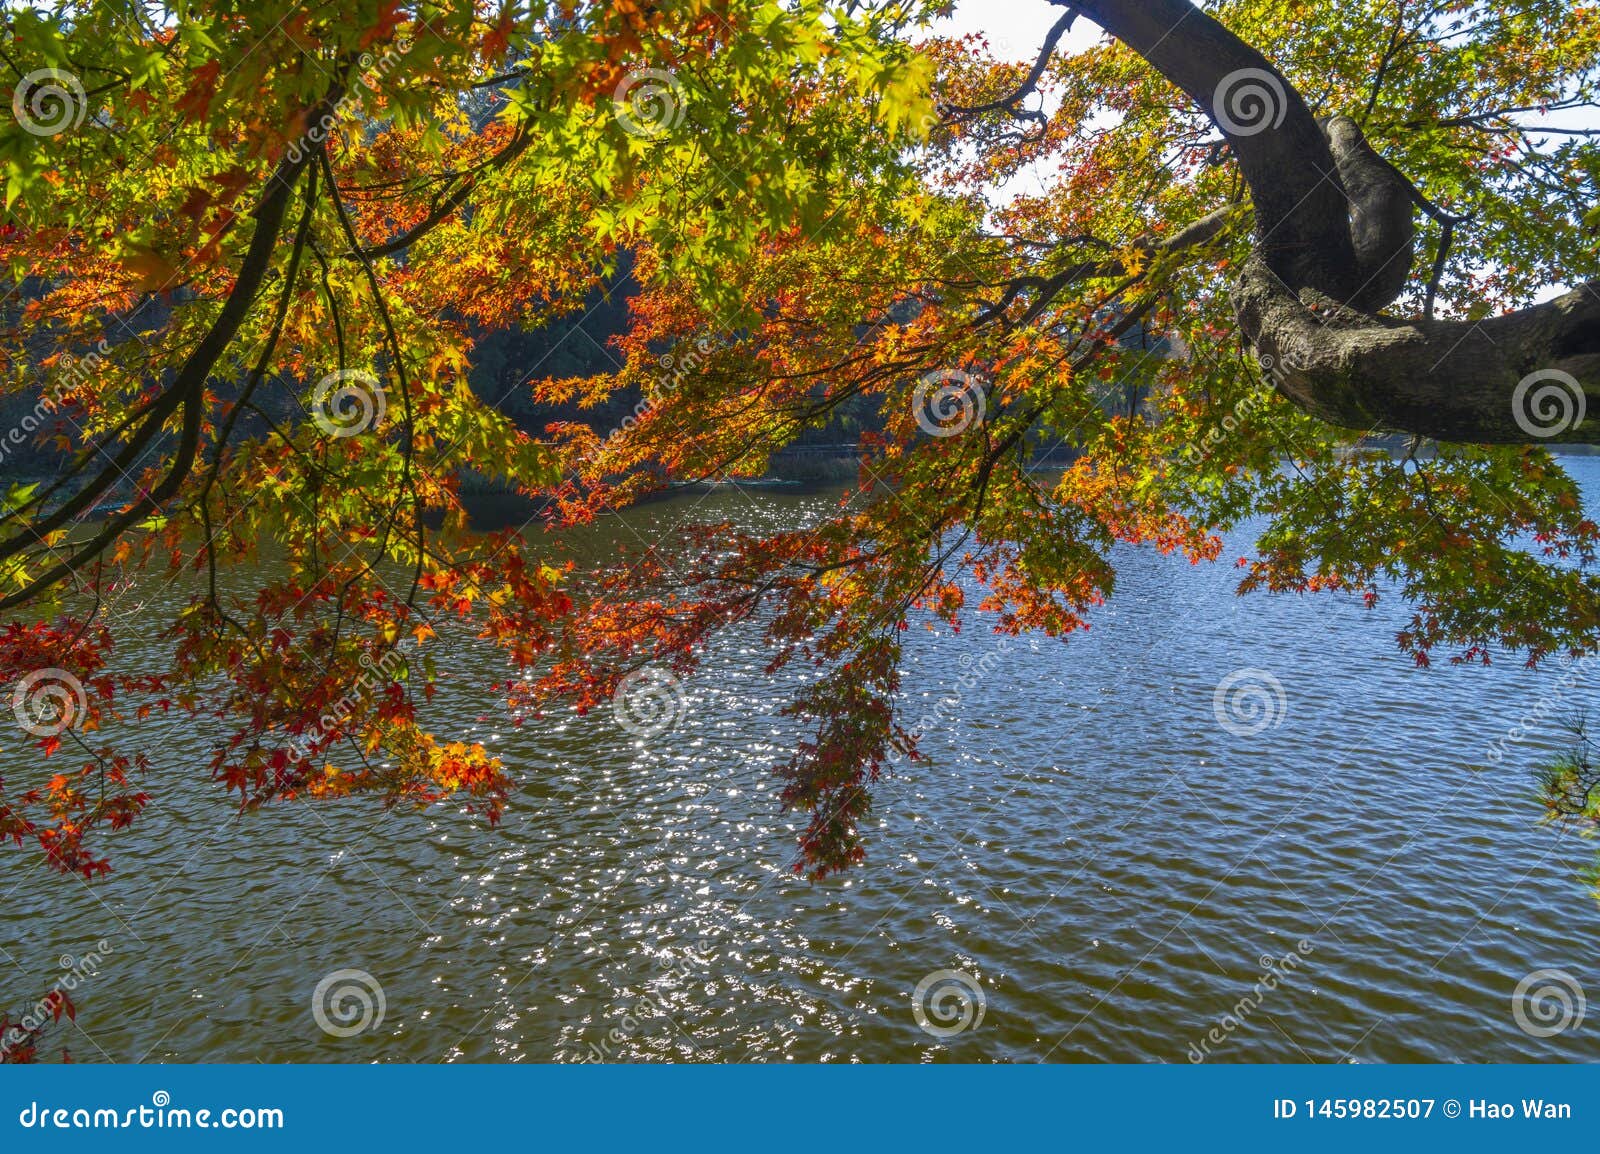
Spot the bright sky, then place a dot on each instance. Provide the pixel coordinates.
(1015, 28)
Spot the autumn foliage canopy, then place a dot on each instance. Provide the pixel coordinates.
(253, 250)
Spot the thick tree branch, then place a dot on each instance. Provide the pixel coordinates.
(1302, 212)
(1334, 244)
(1493, 381)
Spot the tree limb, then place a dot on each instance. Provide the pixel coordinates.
(185, 392)
(1008, 104)
(1332, 248)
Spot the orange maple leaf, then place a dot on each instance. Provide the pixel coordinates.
(196, 101)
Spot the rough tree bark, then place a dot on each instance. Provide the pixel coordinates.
(1333, 246)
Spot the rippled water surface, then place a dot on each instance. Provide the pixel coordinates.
(1110, 866)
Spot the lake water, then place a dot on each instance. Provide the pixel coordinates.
(1092, 868)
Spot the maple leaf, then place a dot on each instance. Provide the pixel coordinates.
(195, 102)
(391, 15)
(498, 38)
(150, 268)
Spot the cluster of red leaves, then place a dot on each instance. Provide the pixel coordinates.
(68, 658)
(19, 1040)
